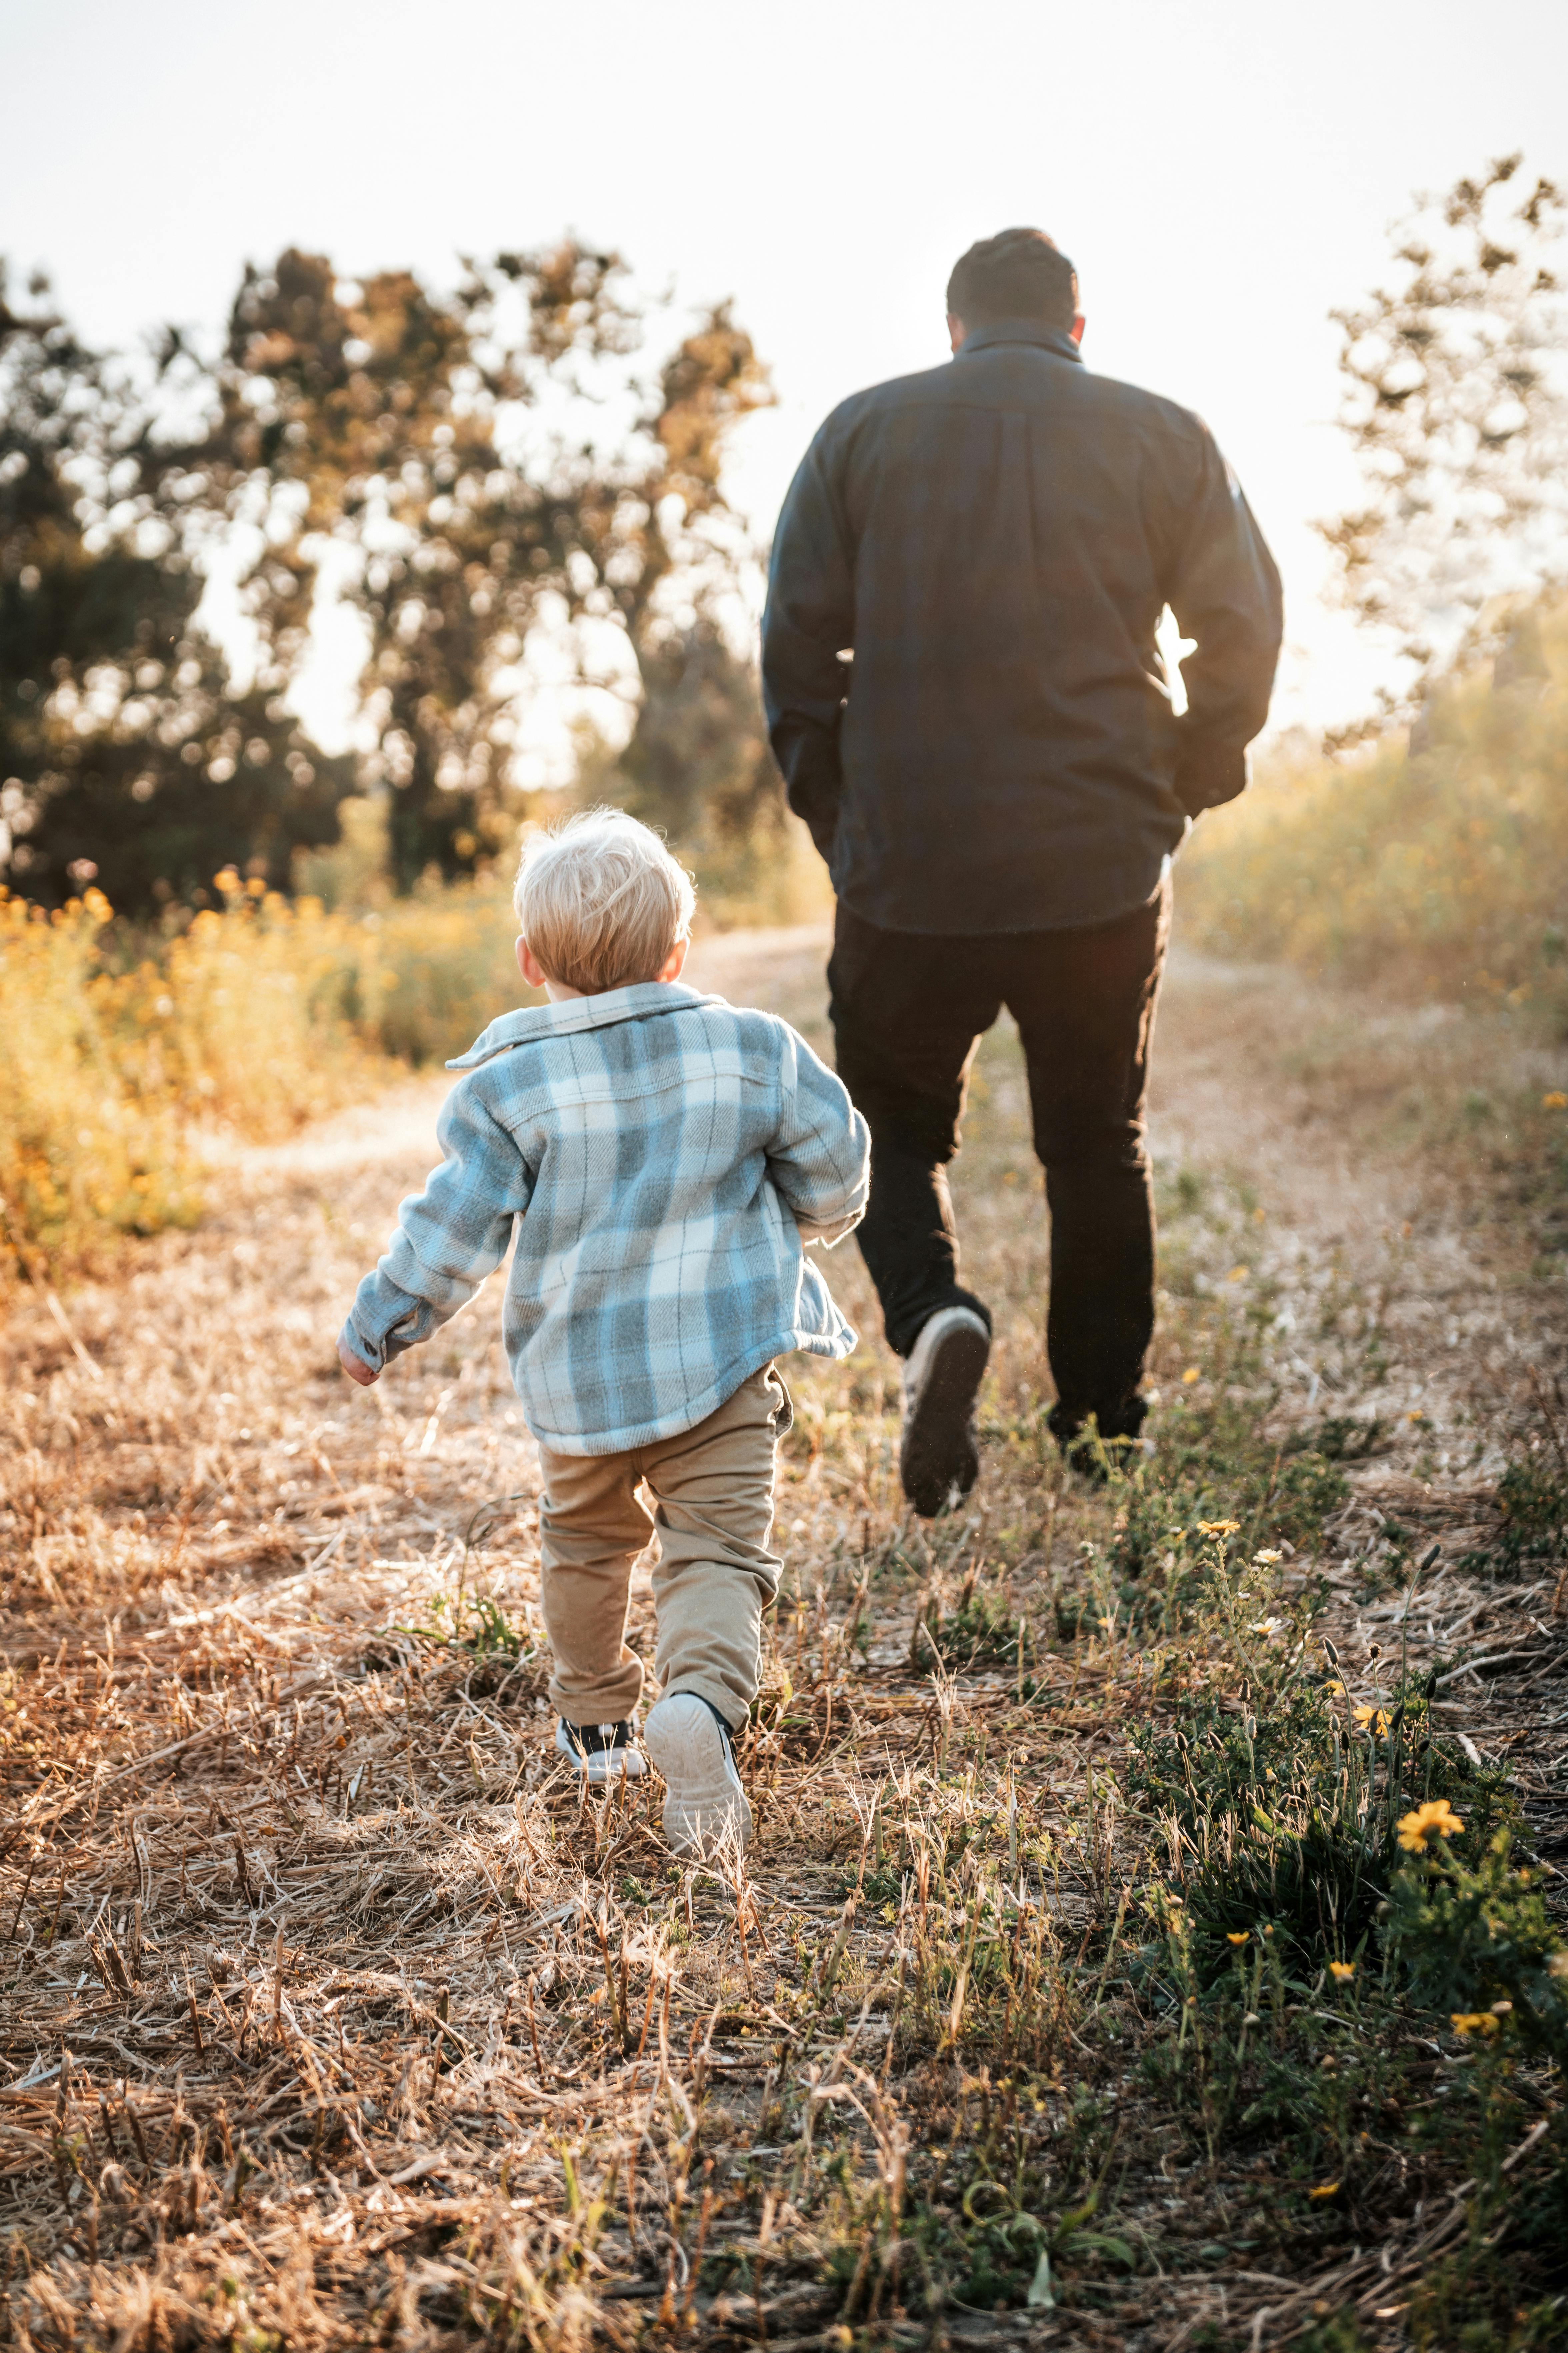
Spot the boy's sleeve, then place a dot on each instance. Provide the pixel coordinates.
(820, 1158)
(448, 1237)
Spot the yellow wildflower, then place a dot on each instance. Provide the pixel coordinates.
(1555, 1100)
(1335, 1690)
(1436, 1817)
(1238, 1274)
(1218, 1527)
(1376, 1718)
(1343, 1970)
(1238, 1935)
(1190, 1375)
(1472, 2021)
(1325, 2190)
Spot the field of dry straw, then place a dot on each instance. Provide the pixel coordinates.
(1079, 1990)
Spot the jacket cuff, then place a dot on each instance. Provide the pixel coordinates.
(1208, 775)
(827, 1231)
(823, 832)
(808, 757)
(377, 1350)
(354, 1343)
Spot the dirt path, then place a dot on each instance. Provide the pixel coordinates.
(259, 1799)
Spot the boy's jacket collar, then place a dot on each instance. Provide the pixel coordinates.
(532, 1023)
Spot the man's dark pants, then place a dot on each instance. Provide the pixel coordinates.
(908, 1009)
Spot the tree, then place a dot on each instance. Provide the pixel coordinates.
(124, 755)
(477, 466)
(431, 437)
(1456, 402)
(699, 763)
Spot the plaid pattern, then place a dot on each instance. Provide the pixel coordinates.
(663, 1158)
(995, 540)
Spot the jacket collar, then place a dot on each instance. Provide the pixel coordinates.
(530, 1024)
(1055, 340)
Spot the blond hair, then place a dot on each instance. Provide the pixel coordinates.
(600, 901)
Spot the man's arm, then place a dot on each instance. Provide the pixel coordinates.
(448, 1239)
(1225, 592)
(809, 620)
(820, 1157)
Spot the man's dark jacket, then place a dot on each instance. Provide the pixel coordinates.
(993, 542)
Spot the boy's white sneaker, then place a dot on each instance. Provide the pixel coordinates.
(705, 1808)
(603, 1752)
(939, 1456)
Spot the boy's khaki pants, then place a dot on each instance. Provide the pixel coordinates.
(713, 1491)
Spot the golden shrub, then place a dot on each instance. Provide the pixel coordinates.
(257, 1018)
(1439, 871)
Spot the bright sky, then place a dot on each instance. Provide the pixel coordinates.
(1222, 173)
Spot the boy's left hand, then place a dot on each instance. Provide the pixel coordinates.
(355, 1368)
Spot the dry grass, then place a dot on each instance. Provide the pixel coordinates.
(124, 1060)
(1439, 872)
(334, 2016)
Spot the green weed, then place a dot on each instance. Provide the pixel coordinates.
(1533, 1498)
(978, 1629)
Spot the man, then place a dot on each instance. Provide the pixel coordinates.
(965, 697)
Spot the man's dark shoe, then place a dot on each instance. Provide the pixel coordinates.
(939, 1459)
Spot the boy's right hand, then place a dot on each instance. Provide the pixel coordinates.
(355, 1368)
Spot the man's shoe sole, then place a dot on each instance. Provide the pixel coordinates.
(939, 1454)
(705, 1808)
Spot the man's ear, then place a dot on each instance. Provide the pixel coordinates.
(1078, 324)
(675, 962)
(956, 330)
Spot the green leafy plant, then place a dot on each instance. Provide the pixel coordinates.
(1532, 1499)
(1476, 1940)
(979, 1630)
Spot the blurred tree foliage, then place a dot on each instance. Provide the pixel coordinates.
(699, 763)
(440, 441)
(1456, 402)
(123, 752)
(470, 466)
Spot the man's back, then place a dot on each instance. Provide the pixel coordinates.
(996, 540)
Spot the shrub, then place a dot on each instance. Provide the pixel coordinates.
(1476, 1940)
(117, 1052)
(1440, 867)
(1532, 1500)
(89, 1140)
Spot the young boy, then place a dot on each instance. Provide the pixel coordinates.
(664, 1159)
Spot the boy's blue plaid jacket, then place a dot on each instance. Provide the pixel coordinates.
(663, 1158)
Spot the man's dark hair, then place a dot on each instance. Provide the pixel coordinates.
(1017, 275)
